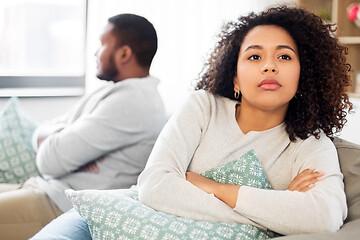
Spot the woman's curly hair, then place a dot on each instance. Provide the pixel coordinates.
(322, 101)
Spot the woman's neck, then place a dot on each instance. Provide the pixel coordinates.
(250, 119)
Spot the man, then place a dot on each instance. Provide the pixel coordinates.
(103, 142)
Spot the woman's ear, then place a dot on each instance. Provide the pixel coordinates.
(124, 54)
(236, 85)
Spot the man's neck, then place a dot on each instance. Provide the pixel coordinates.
(132, 73)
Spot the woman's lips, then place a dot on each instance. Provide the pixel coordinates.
(269, 84)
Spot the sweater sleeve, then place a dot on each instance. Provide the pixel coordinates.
(115, 122)
(321, 209)
(163, 185)
(55, 124)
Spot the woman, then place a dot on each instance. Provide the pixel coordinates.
(275, 83)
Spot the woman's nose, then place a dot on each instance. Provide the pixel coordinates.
(271, 67)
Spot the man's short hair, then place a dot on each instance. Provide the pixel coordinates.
(138, 33)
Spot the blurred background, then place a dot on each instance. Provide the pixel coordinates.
(47, 48)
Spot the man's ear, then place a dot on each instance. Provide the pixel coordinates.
(124, 54)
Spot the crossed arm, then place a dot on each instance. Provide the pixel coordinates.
(91, 136)
(47, 130)
(228, 193)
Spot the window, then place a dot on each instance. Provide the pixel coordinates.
(42, 47)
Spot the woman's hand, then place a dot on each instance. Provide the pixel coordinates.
(306, 180)
(225, 192)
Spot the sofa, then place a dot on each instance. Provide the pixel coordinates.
(349, 157)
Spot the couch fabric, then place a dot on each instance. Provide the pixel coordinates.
(349, 158)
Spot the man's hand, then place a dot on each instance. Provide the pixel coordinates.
(306, 180)
(91, 166)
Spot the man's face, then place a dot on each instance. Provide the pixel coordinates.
(106, 68)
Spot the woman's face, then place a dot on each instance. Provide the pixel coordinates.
(268, 68)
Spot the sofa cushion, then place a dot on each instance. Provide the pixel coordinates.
(349, 158)
(17, 158)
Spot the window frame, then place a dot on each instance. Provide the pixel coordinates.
(47, 85)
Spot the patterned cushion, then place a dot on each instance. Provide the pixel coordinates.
(246, 171)
(120, 215)
(17, 158)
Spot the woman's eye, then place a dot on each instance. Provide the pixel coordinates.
(254, 57)
(285, 57)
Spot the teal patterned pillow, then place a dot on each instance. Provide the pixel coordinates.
(245, 171)
(17, 158)
(120, 215)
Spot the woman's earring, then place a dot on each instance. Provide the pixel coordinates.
(237, 94)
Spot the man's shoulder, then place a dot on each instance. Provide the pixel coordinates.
(132, 94)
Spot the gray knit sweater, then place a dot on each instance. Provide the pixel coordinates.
(119, 122)
(204, 134)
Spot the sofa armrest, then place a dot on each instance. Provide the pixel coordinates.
(349, 231)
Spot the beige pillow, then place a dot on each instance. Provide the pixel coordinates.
(349, 157)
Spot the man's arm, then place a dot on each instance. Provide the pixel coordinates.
(56, 125)
(43, 132)
(46, 132)
(114, 123)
